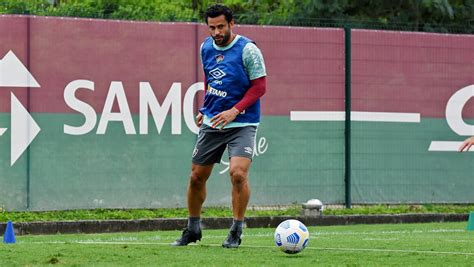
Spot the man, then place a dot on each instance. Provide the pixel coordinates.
(466, 145)
(234, 80)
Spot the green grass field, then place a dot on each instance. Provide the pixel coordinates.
(444, 244)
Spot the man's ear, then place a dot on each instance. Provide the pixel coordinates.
(231, 23)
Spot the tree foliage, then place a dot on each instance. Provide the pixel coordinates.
(416, 15)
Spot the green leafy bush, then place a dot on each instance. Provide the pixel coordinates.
(413, 15)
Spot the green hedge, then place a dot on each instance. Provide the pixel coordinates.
(412, 15)
(157, 10)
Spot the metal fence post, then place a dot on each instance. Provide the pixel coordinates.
(347, 139)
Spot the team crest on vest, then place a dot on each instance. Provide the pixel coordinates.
(219, 58)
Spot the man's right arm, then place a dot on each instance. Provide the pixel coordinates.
(200, 116)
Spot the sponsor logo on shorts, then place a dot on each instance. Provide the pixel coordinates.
(195, 151)
(248, 150)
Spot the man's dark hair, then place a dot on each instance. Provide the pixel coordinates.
(217, 10)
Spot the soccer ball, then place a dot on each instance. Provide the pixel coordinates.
(291, 236)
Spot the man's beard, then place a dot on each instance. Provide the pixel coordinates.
(224, 40)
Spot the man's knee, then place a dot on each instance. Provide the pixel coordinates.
(238, 176)
(197, 180)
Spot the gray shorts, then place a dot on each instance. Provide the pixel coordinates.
(211, 143)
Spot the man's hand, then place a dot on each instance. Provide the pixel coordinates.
(466, 145)
(199, 118)
(224, 118)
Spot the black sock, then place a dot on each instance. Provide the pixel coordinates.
(237, 225)
(194, 224)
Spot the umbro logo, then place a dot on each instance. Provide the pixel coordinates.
(248, 150)
(217, 73)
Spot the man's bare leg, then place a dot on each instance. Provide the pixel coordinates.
(239, 169)
(197, 188)
(196, 197)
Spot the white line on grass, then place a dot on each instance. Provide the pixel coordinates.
(401, 251)
(348, 233)
(256, 246)
(460, 241)
(380, 239)
(391, 232)
(313, 235)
